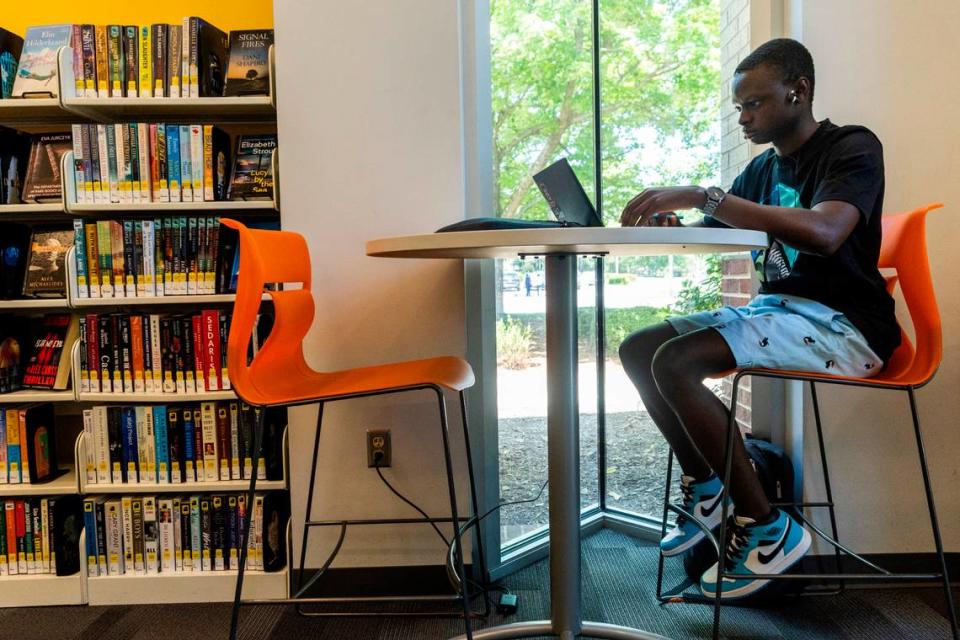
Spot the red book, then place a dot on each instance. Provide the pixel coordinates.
(11, 518)
(136, 347)
(154, 166)
(93, 352)
(198, 367)
(211, 349)
(21, 537)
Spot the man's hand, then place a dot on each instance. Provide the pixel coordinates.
(643, 209)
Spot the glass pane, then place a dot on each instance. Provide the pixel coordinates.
(542, 92)
(660, 65)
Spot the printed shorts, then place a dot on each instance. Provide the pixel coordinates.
(788, 332)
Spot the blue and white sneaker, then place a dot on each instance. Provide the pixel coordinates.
(702, 500)
(757, 549)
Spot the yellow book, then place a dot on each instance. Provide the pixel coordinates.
(146, 63)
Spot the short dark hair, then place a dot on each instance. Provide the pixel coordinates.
(789, 56)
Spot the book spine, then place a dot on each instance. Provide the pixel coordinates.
(137, 360)
(130, 441)
(133, 158)
(196, 543)
(223, 440)
(224, 334)
(129, 263)
(101, 445)
(196, 325)
(233, 534)
(124, 164)
(89, 447)
(198, 442)
(208, 162)
(166, 342)
(4, 477)
(154, 165)
(177, 534)
(10, 513)
(117, 259)
(136, 264)
(234, 441)
(150, 535)
(165, 517)
(179, 370)
(160, 443)
(156, 355)
(24, 446)
(90, 527)
(213, 231)
(161, 230)
(162, 165)
(13, 446)
(113, 516)
(185, 439)
(173, 161)
(80, 256)
(88, 166)
(106, 354)
(146, 62)
(113, 171)
(46, 526)
(159, 35)
(103, 156)
(76, 43)
(186, 169)
(175, 442)
(149, 442)
(201, 268)
(84, 382)
(115, 435)
(206, 533)
(115, 60)
(143, 150)
(102, 563)
(130, 68)
(186, 534)
(146, 287)
(210, 457)
(194, 57)
(191, 254)
(126, 508)
(196, 161)
(136, 521)
(102, 57)
(173, 59)
(79, 176)
(89, 45)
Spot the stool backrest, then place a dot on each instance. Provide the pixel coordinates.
(269, 257)
(904, 249)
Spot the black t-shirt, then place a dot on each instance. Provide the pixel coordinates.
(836, 163)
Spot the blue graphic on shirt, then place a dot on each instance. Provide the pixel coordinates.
(776, 261)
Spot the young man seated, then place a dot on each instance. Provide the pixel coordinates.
(823, 305)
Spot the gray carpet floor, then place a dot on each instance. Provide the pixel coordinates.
(619, 575)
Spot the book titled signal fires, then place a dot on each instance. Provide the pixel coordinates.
(248, 72)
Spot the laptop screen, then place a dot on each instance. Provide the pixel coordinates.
(565, 195)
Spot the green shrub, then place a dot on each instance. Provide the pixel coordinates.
(514, 344)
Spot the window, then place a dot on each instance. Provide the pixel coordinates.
(658, 122)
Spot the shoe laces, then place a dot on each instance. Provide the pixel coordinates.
(739, 536)
(687, 502)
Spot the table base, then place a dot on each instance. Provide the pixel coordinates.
(545, 628)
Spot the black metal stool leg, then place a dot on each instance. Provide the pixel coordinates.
(826, 481)
(309, 508)
(478, 535)
(464, 587)
(727, 469)
(248, 516)
(663, 528)
(933, 515)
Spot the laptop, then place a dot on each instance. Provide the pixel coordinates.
(564, 194)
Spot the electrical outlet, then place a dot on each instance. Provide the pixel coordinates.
(378, 448)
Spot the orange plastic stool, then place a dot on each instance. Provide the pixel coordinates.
(278, 375)
(911, 366)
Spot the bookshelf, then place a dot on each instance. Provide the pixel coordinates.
(57, 114)
(46, 589)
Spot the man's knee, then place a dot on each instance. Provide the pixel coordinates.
(636, 351)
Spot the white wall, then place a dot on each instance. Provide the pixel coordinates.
(370, 128)
(892, 66)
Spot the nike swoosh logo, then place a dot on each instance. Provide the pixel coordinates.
(708, 510)
(767, 557)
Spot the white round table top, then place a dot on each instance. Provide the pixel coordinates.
(612, 241)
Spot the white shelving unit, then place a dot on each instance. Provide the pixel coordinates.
(54, 114)
(47, 590)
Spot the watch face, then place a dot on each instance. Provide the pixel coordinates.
(714, 193)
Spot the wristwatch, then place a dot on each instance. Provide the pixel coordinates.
(715, 196)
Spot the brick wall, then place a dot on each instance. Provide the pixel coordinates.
(739, 283)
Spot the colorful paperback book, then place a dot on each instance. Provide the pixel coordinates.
(37, 71)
